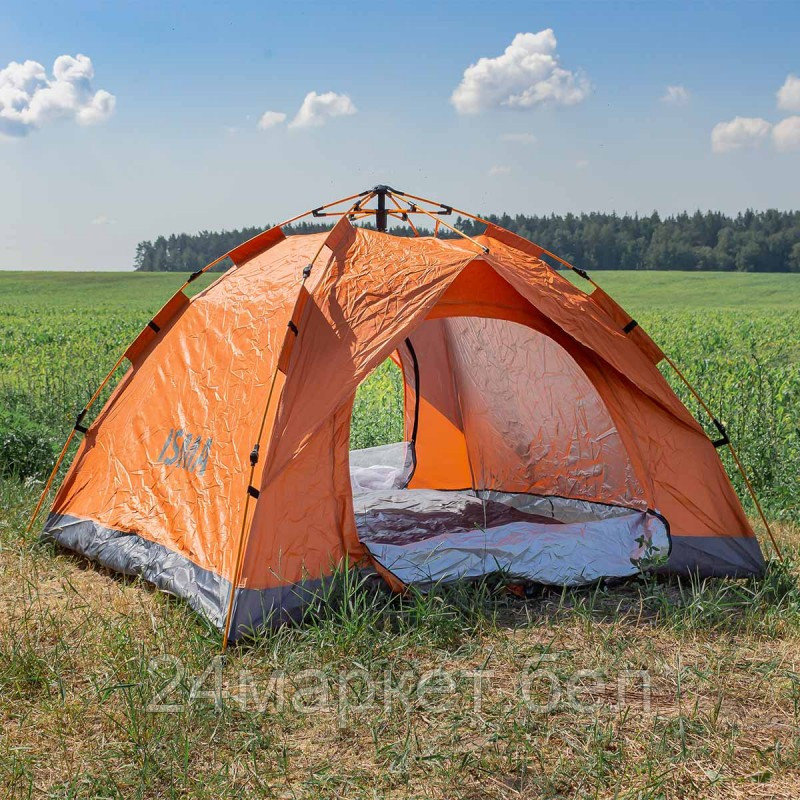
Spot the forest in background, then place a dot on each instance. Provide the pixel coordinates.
(752, 241)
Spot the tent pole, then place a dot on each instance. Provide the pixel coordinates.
(467, 214)
(448, 226)
(254, 454)
(380, 216)
(70, 437)
(405, 216)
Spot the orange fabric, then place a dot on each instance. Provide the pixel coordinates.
(623, 318)
(174, 306)
(205, 374)
(527, 384)
(256, 245)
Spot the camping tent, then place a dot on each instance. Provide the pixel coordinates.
(541, 439)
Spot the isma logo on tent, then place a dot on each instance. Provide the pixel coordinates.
(185, 451)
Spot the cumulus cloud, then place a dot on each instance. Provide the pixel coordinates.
(740, 132)
(786, 134)
(676, 96)
(518, 138)
(499, 169)
(526, 75)
(789, 94)
(269, 119)
(31, 99)
(317, 109)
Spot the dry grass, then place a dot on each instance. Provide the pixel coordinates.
(76, 678)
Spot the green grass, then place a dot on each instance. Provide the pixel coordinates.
(690, 291)
(83, 653)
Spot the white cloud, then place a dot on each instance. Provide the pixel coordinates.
(786, 134)
(317, 109)
(30, 98)
(518, 138)
(789, 94)
(676, 96)
(499, 169)
(739, 133)
(102, 219)
(269, 119)
(526, 75)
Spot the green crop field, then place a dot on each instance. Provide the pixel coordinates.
(83, 654)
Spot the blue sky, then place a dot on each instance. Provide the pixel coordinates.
(179, 148)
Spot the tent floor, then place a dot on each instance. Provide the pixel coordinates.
(425, 536)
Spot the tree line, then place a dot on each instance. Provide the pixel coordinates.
(752, 241)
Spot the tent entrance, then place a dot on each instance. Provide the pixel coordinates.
(521, 469)
(425, 536)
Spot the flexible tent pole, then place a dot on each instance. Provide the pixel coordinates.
(70, 437)
(733, 453)
(243, 537)
(119, 361)
(448, 226)
(404, 216)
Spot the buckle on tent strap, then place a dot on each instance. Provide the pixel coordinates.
(723, 432)
(194, 276)
(630, 326)
(582, 272)
(153, 326)
(307, 270)
(253, 492)
(78, 427)
(254, 455)
(292, 327)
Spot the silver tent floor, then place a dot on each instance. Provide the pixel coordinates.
(424, 536)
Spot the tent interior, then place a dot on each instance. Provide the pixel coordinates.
(510, 462)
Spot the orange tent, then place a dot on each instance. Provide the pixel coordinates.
(541, 438)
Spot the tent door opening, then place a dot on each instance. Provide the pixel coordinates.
(513, 423)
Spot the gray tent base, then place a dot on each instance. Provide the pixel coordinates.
(427, 537)
(205, 591)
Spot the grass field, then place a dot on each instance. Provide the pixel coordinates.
(109, 689)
